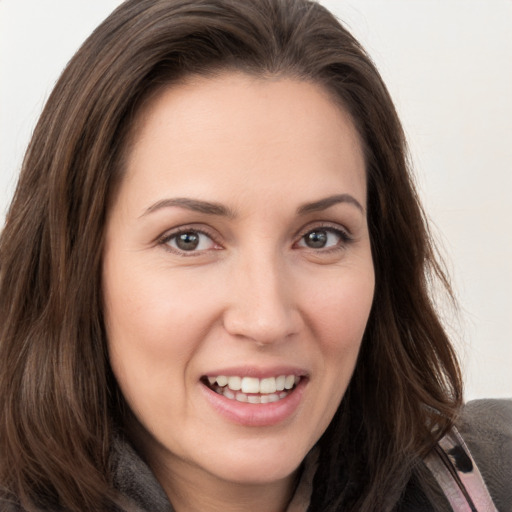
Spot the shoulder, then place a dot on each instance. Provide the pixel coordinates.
(486, 426)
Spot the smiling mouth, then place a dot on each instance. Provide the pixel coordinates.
(251, 389)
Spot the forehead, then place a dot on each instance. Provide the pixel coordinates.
(235, 129)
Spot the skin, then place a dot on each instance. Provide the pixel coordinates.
(252, 294)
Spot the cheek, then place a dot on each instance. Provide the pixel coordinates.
(340, 309)
(337, 316)
(145, 323)
(149, 306)
(152, 338)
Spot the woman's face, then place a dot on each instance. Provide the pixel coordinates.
(237, 275)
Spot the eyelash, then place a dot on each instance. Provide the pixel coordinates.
(345, 239)
(165, 239)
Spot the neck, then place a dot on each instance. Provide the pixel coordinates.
(205, 493)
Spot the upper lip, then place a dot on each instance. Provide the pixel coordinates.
(258, 372)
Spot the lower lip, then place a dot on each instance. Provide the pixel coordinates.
(256, 415)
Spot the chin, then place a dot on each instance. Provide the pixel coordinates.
(247, 467)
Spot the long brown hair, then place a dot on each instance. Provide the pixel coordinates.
(58, 400)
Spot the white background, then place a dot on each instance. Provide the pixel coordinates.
(448, 65)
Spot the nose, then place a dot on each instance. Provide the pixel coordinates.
(261, 306)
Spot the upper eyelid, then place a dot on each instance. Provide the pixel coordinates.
(173, 232)
(323, 225)
(163, 242)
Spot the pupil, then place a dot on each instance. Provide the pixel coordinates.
(316, 239)
(187, 241)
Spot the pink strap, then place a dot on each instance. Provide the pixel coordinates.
(458, 476)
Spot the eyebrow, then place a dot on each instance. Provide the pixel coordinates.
(211, 208)
(195, 205)
(323, 204)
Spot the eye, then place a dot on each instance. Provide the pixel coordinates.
(189, 241)
(323, 238)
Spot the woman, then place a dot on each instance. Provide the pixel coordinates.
(215, 279)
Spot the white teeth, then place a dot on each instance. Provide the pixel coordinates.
(271, 386)
(280, 382)
(250, 385)
(288, 383)
(228, 393)
(235, 383)
(268, 385)
(252, 399)
(222, 380)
